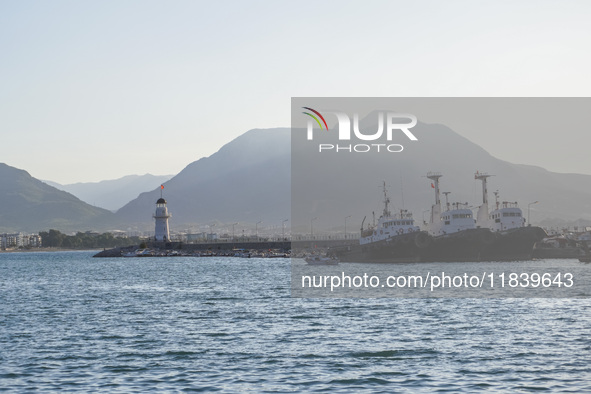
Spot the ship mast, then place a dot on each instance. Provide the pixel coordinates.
(446, 200)
(482, 216)
(481, 176)
(435, 178)
(386, 201)
(435, 222)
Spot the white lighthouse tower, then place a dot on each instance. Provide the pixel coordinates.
(162, 232)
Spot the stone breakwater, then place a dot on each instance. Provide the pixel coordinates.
(250, 249)
(240, 249)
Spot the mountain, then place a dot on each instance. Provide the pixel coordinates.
(255, 178)
(250, 179)
(27, 204)
(112, 194)
(247, 180)
(355, 181)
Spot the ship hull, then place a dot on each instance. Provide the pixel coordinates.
(468, 245)
(465, 245)
(401, 248)
(514, 244)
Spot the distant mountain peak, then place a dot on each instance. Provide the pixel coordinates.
(112, 194)
(28, 204)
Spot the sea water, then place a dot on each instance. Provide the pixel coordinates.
(69, 322)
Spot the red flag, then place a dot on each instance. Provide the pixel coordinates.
(433, 186)
(161, 187)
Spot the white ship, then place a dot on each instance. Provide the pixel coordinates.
(512, 239)
(389, 225)
(395, 238)
(506, 215)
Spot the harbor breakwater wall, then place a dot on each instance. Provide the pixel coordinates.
(224, 246)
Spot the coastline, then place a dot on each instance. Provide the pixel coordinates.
(47, 249)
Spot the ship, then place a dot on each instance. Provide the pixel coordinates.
(514, 239)
(394, 238)
(453, 230)
(453, 234)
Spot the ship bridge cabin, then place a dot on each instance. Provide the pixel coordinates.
(508, 217)
(402, 221)
(389, 226)
(458, 219)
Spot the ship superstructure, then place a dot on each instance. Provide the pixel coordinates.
(453, 218)
(389, 225)
(457, 219)
(506, 215)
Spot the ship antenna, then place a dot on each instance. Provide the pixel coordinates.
(402, 191)
(496, 193)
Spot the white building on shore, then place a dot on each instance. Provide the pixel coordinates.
(19, 240)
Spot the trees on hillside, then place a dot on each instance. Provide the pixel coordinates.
(54, 238)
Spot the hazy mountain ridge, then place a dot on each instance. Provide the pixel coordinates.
(114, 193)
(28, 204)
(248, 179)
(565, 197)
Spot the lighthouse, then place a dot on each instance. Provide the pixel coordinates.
(162, 232)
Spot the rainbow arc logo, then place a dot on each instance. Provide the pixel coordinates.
(315, 118)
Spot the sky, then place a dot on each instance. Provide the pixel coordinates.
(98, 90)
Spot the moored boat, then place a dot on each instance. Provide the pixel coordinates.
(395, 238)
(513, 240)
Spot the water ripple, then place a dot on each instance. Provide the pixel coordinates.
(72, 323)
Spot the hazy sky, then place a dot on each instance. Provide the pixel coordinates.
(93, 90)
